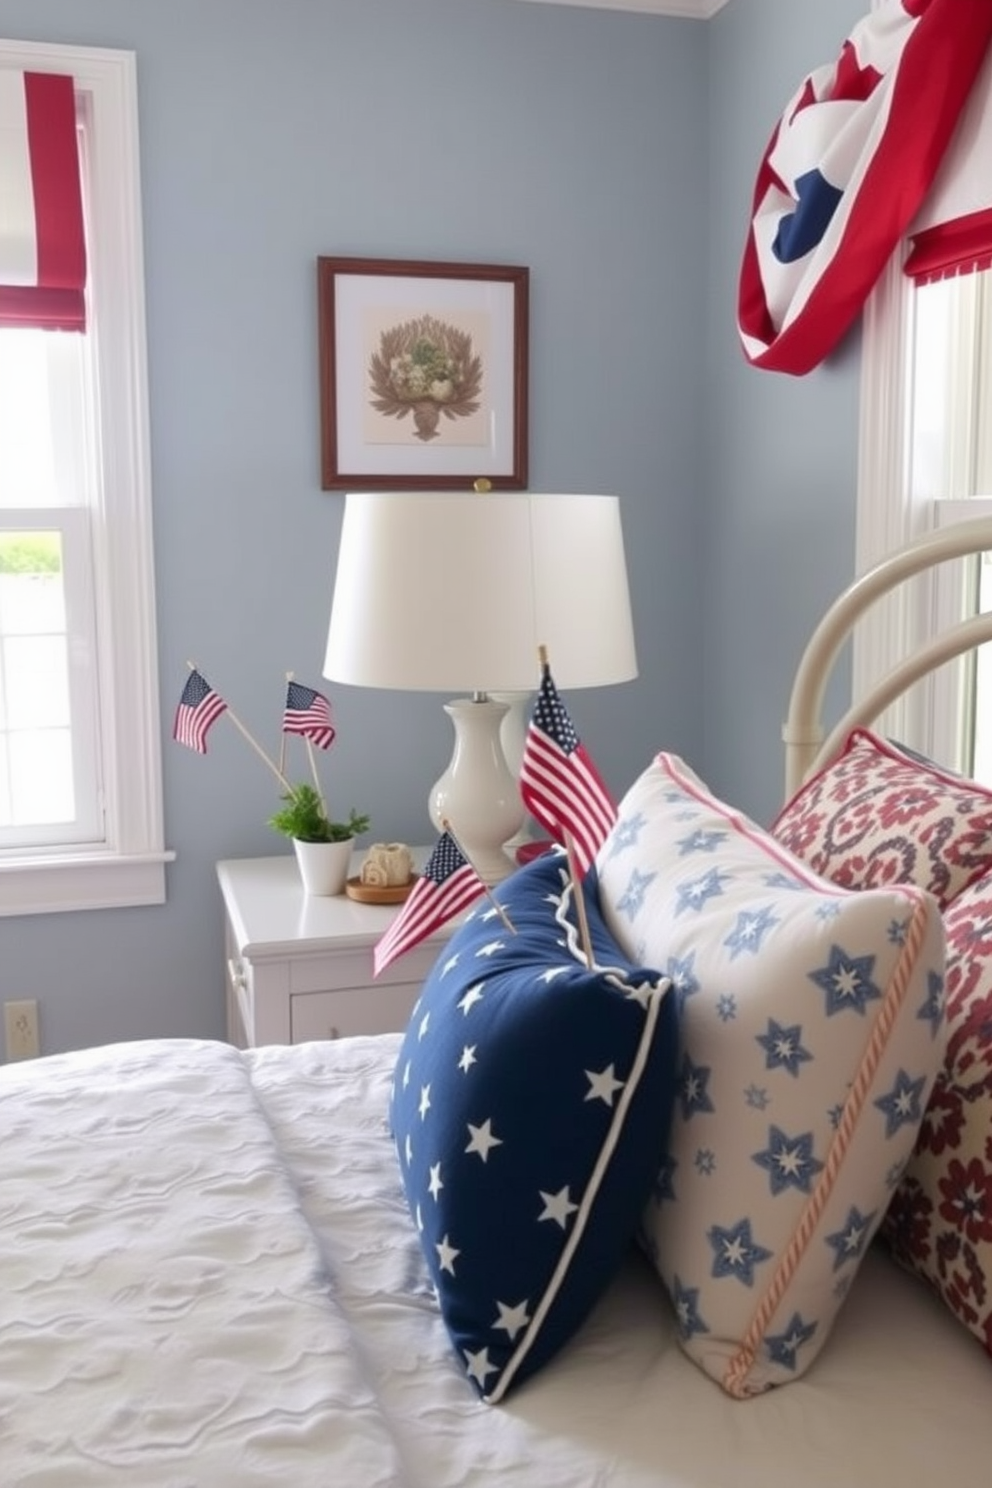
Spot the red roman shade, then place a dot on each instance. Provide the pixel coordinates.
(952, 232)
(42, 238)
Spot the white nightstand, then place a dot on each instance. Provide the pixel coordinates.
(300, 967)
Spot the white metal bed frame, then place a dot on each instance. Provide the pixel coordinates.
(806, 748)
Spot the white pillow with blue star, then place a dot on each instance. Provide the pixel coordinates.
(530, 1109)
(810, 1034)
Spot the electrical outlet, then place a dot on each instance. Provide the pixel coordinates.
(20, 1023)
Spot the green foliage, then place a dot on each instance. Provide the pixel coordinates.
(303, 816)
(31, 553)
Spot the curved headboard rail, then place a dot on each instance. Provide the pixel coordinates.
(802, 731)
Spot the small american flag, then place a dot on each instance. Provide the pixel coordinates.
(447, 885)
(560, 784)
(308, 713)
(199, 708)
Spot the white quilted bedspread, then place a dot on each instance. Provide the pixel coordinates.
(208, 1279)
(165, 1315)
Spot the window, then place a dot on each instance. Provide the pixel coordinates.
(49, 777)
(950, 448)
(926, 459)
(80, 764)
(925, 443)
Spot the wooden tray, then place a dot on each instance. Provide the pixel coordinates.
(373, 894)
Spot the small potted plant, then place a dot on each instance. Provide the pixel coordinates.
(323, 847)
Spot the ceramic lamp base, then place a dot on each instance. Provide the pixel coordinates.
(477, 794)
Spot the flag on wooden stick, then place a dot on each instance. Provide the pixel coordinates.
(198, 710)
(560, 785)
(308, 712)
(447, 885)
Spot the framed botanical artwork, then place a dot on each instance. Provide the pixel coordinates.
(423, 374)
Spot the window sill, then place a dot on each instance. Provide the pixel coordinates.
(94, 881)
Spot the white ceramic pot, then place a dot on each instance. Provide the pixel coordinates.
(323, 865)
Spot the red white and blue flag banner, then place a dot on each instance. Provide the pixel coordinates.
(308, 712)
(846, 170)
(198, 710)
(447, 885)
(560, 785)
(42, 238)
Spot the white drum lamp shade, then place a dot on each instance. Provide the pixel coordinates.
(456, 592)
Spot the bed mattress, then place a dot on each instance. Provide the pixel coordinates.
(210, 1280)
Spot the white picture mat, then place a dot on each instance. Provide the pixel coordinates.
(355, 295)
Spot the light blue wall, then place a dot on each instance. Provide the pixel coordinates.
(615, 155)
(570, 140)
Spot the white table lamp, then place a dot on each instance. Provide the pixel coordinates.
(456, 592)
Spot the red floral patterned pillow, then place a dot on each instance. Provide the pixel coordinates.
(939, 1223)
(876, 815)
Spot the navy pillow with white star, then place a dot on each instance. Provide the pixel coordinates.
(530, 1109)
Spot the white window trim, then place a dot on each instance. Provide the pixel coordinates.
(129, 869)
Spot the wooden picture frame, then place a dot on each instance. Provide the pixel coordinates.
(423, 374)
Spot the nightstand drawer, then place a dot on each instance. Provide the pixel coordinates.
(330, 1015)
(341, 970)
(299, 966)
